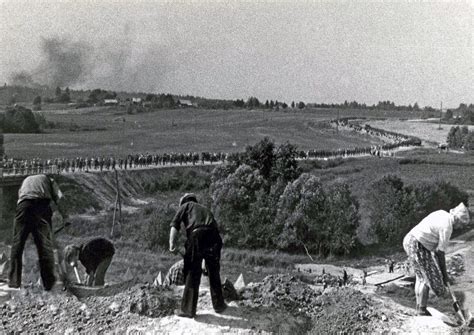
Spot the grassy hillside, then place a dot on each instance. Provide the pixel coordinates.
(111, 131)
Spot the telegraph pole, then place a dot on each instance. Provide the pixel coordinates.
(440, 115)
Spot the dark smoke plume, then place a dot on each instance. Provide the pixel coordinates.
(22, 78)
(64, 62)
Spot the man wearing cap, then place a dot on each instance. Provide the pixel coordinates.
(427, 239)
(33, 215)
(203, 242)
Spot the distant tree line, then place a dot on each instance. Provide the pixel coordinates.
(381, 105)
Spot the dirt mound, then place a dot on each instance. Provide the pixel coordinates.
(336, 309)
(282, 291)
(32, 310)
(345, 310)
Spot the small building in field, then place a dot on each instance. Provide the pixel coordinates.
(185, 103)
(136, 101)
(110, 102)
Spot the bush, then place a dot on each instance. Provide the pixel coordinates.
(390, 208)
(395, 208)
(322, 221)
(19, 120)
(232, 199)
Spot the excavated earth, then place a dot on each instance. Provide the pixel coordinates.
(33, 311)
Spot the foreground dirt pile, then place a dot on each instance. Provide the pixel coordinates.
(336, 309)
(32, 310)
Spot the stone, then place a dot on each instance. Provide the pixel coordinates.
(239, 283)
(158, 280)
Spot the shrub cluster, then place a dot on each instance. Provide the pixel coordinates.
(262, 200)
(395, 208)
(461, 137)
(19, 119)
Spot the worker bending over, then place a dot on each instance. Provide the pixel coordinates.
(95, 255)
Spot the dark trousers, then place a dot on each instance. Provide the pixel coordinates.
(202, 243)
(32, 216)
(97, 277)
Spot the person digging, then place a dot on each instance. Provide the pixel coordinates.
(426, 245)
(203, 242)
(33, 216)
(95, 255)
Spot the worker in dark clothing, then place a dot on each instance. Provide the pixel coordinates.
(95, 255)
(33, 215)
(203, 242)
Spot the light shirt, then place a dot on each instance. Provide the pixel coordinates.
(39, 187)
(434, 231)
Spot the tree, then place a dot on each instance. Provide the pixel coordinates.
(469, 141)
(448, 115)
(455, 137)
(390, 209)
(318, 220)
(292, 104)
(37, 100)
(253, 102)
(232, 197)
(301, 105)
(285, 165)
(19, 120)
(261, 156)
(58, 91)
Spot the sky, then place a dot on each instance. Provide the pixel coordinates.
(323, 51)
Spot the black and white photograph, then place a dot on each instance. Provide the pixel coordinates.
(236, 167)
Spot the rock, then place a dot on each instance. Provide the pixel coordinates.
(54, 309)
(239, 283)
(114, 307)
(158, 280)
(83, 307)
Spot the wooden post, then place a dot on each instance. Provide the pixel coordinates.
(118, 201)
(113, 219)
(119, 197)
(440, 115)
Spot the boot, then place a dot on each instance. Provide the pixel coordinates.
(422, 311)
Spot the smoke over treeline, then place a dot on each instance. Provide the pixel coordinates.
(62, 63)
(116, 65)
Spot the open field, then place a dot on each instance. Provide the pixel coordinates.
(111, 131)
(427, 131)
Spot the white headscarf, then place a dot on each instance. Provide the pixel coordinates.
(461, 213)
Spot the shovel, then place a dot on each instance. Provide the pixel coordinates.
(441, 316)
(456, 305)
(77, 275)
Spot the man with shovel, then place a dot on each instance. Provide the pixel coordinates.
(426, 245)
(95, 255)
(203, 242)
(33, 215)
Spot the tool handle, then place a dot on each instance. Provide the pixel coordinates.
(77, 275)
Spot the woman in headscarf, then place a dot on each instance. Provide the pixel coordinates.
(426, 245)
